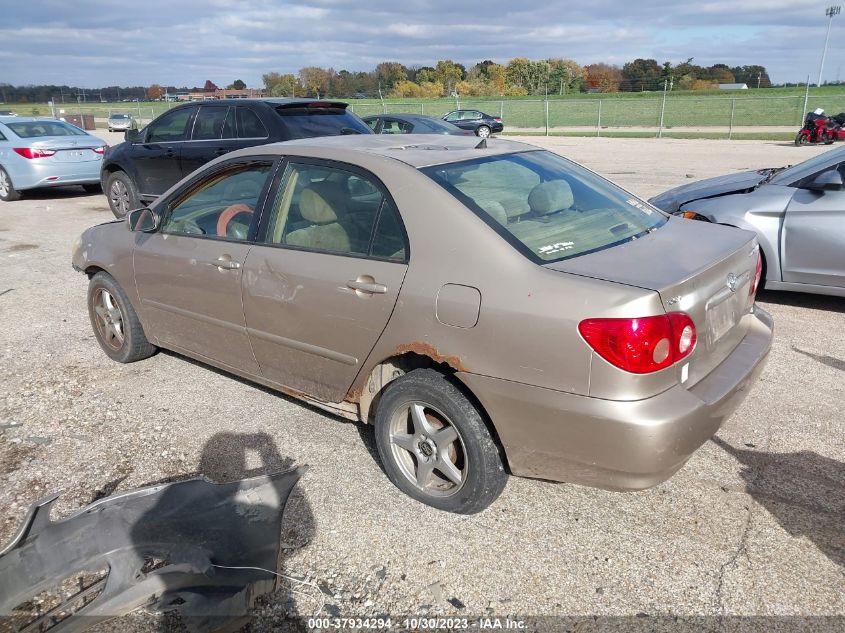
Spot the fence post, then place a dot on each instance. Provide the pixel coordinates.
(806, 99)
(422, 107)
(501, 109)
(139, 114)
(547, 117)
(662, 112)
(598, 120)
(731, 125)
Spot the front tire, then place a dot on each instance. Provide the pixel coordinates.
(483, 131)
(115, 323)
(435, 446)
(8, 193)
(801, 139)
(122, 194)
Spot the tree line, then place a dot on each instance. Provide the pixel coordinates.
(517, 78)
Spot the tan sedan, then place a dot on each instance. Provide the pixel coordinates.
(490, 307)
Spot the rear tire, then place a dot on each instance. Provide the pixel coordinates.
(95, 188)
(122, 194)
(435, 446)
(115, 323)
(8, 193)
(482, 131)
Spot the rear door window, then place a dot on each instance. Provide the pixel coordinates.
(209, 123)
(249, 125)
(547, 207)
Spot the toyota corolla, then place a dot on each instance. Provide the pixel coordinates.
(489, 307)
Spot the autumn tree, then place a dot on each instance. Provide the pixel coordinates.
(210, 86)
(389, 74)
(449, 73)
(603, 77)
(278, 85)
(155, 92)
(238, 84)
(314, 80)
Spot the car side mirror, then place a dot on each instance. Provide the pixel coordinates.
(143, 220)
(131, 135)
(830, 180)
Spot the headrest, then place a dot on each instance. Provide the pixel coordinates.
(551, 196)
(319, 203)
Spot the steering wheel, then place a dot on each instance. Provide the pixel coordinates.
(228, 214)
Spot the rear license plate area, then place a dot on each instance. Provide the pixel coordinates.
(722, 317)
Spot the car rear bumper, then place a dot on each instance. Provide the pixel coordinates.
(52, 174)
(614, 444)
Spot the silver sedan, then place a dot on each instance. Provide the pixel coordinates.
(798, 214)
(121, 122)
(47, 153)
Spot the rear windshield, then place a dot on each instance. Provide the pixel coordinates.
(308, 122)
(34, 129)
(438, 125)
(547, 207)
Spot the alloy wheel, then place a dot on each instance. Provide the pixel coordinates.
(5, 186)
(109, 319)
(428, 449)
(484, 131)
(119, 196)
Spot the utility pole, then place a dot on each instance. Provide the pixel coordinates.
(830, 12)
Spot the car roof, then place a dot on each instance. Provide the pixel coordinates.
(417, 150)
(28, 119)
(267, 100)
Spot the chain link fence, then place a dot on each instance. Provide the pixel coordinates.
(659, 114)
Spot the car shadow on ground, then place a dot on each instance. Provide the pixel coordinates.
(802, 300)
(62, 193)
(803, 491)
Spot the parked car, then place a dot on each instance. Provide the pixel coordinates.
(484, 307)
(46, 153)
(412, 124)
(8, 113)
(190, 135)
(121, 122)
(480, 124)
(798, 214)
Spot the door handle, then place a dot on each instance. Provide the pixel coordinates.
(170, 152)
(370, 287)
(220, 151)
(225, 262)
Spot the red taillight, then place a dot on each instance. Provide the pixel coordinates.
(497, 120)
(100, 150)
(642, 345)
(757, 274)
(34, 152)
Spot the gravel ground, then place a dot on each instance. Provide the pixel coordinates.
(752, 526)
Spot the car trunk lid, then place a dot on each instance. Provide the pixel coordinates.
(70, 149)
(701, 269)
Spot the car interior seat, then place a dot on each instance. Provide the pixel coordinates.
(321, 205)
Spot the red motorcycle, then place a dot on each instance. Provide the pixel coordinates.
(819, 128)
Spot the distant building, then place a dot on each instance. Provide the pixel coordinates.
(246, 93)
(733, 86)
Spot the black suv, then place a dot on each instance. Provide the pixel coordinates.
(190, 135)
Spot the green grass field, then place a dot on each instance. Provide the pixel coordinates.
(716, 109)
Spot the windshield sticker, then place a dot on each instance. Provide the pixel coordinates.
(557, 247)
(639, 205)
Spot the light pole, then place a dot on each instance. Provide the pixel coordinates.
(830, 12)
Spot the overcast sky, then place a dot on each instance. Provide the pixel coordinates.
(91, 43)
